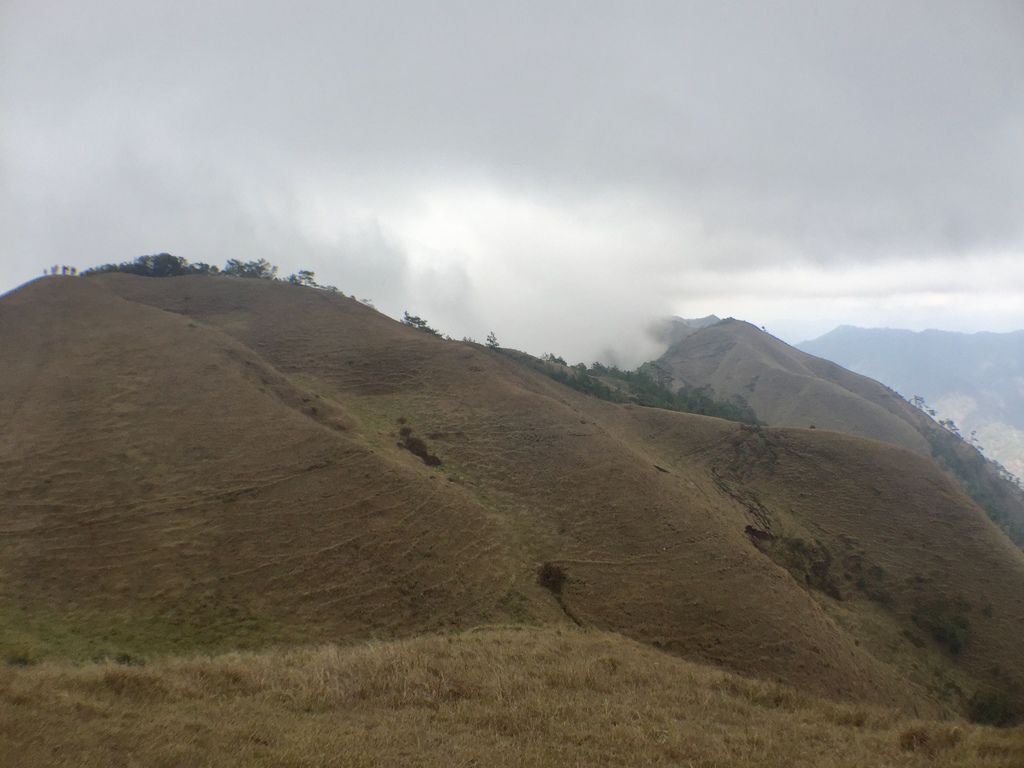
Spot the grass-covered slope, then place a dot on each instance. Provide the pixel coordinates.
(165, 489)
(204, 463)
(788, 387)
(500, 697)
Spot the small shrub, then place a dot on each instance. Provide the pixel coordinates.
(552, 577)
(20, 658)
(810, 563)
(929, 741)
(419, 323)
(417, 447)
(916, 640)
(875, 592)
(306, 278)
(947, 623)
(992, 708)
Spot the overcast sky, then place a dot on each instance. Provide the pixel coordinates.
(561, 173)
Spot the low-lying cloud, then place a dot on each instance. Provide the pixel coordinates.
(558, 173)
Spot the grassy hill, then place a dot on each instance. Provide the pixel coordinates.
(787, 387)
(209, 464)
(500, 696)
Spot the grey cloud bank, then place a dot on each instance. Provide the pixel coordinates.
(561, 173)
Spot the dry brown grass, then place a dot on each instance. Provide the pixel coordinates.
(494, 697)
(787, 387)
(212, 464)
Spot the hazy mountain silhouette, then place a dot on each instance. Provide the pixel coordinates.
(976, 379)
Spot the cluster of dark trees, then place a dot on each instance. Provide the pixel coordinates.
(648, 385)
(156, 265)
(169, 265)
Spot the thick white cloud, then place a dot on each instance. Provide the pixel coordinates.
(558, 172)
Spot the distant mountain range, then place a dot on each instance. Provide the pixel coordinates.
(976, 379)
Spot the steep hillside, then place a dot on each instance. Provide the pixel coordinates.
(203, 463)
(787, 387)
(976, 379)
(165, 488)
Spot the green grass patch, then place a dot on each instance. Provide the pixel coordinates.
(31, 632)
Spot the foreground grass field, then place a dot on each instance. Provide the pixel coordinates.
(497, 696)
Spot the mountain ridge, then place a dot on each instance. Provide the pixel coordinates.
(974, 379)
(786, 386)
(207, 463)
